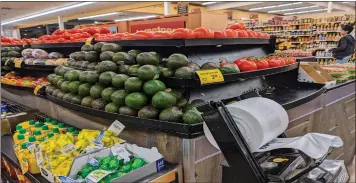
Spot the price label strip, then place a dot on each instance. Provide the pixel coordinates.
(17, 63)
(210, 76)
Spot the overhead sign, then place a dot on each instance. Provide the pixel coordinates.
(183, 7)
(159, 26)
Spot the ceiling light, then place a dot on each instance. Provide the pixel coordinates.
(95, 16)
(300, 12)
(207, 3)
(25, 34)
(268, 7)
(38, 27)
(48, 12)
(345, 2)
(281, 5)
(135, 18)
(298, 3)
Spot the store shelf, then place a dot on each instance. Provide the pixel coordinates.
(191, 42)
(302, 42)
(304, 30)
(294, 96)
(325, 41)
(177, 129)
(323, 57)
(336, 22)
(37, 67)
(7, 152)
(327, 31)
(301, 59)
(58, 45)
(194, 83)
(17, 87)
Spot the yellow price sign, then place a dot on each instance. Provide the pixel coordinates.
(88, 41)
(17, 63)
(210, 76)
(37, 88)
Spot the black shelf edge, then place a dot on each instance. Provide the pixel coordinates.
(17, 87)
(58, 45)
(7, 151)
(338, 85)
(302, 59)
(38, 67)
(177, 129)
(20, 45)
(150, 42)
(194, 83)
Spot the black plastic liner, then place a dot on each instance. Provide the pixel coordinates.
(37, 67)
(177, 129)
(58, 45)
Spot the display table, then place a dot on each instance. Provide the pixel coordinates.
(332, 113)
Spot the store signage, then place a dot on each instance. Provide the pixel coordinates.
(210, 76)
(17, 63)
(254, 16)
(183, 7)
(159, 26)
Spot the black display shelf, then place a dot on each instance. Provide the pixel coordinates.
(7, 151)
(338, 85)
(295, 95)
(194, 83)
(177, 129)
(17, 87)
(58, 45)
(302, 59)
(36, 67)
(191, 42)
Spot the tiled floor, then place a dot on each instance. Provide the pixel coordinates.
(351, 169)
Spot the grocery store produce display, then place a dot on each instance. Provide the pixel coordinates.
(341, 72)
(9, 54)
(30, 82)
(41, 57)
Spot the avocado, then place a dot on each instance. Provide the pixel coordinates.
(122, 56)
(84, 89)
(163, 100)
(59, 82)
(189, 107)
(68, 97)
(80, 55)
(153, 86)
(110, 47)
(72, 75)
(51, 77)
(92, 77)
(98, 104)
(87, 47)
(106, 66)
(60, 95)
(106, 55)
(118, 97)
(198, 102)
(106, 93)
(56, 70)
(55, 92)
(13, 54)
(65, 86)
(97, 46)
(147, 58)
(82, 76)
(177, 93)
(133, 84)
(134, 53)
(210, 65)
(182, 102)
(49, 89)
(127, 111)
(165, 72)
(73, 87)
(91, 56)
(132, 70)
(149, 112)
(184, 73)
(176, 61)
(76, 100)
(118, 80)
(111, 107)
(192, 117)
(136, 100)
(194, 66)
(86, 101)
(148, 72)
(92, 65)
(106, 77)
(173, 114)
(56, 79)
(122, 69)
(95, 91)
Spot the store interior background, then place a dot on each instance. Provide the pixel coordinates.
(117, 12)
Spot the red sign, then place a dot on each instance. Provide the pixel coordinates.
(160, 26)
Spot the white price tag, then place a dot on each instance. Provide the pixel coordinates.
(38, 156)
(121, 152)
(68, 148)
(116, 127)
(31, 147)
(97, 175)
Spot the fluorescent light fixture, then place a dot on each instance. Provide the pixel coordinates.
(95, 16)
(25, 34)
(298, 3)
(345, 2)
(135, 18)
(48, 12)
(300, 12)
(269, 7)
(38, 27)
(207, 3)
(281, 5)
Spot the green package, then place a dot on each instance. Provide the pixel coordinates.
(86, 171)
(104, 167)
(125, 168)
(105, 160)
(137, 163)
(113, 164)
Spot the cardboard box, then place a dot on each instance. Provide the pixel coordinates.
(312, 72)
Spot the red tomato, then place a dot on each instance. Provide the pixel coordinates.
(74, 37)
(128, 37)
(251, 33)
(72, 31)
(231, 33)
(274, 63)
(220, 34)
(203, 33)
(262, 64)
(143, 35)
(161, 35)
(5, 39)
(92, 30)
(181, 33)
(117, 36)
(248, 66)
(237, 26)
(104, 30)
(240, 60)
(60, 40)
(58, 32)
